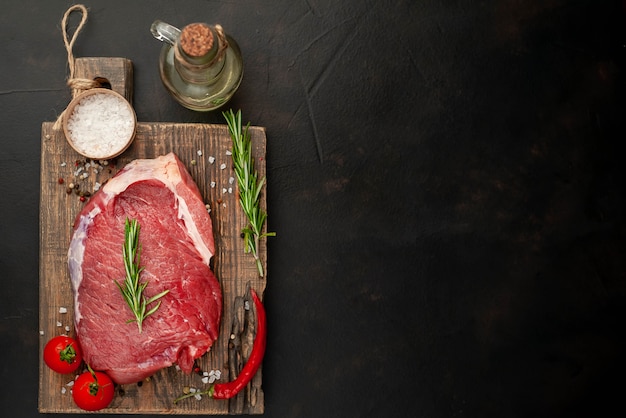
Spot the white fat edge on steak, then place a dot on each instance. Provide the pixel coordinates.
(76, 253)
(136, 170)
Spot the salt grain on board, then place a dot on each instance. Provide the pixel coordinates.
(101, 125)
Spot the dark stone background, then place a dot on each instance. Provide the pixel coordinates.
(446, 179)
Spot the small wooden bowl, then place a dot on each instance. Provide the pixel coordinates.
(100, 124)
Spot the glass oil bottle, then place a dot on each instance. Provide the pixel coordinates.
(200, 65)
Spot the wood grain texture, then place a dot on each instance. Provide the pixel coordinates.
(196, 145)
(118, 71)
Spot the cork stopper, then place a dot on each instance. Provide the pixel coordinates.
(196, 39)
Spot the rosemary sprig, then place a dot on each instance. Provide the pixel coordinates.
(249, 186)
(132, 290)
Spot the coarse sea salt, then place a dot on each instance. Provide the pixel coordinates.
(101, 125)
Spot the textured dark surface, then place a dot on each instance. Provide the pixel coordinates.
(446, 179)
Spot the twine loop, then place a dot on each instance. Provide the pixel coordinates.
(77, 85)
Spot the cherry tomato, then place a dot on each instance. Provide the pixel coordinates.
(93, 390)
(62, 354)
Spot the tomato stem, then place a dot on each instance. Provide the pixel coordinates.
(93, 386)
(68, 354)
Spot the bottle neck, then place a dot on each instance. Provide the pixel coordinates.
(199, 55)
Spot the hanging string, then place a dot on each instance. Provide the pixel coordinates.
(77, 85)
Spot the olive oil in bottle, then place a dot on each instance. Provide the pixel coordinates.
(200, 65)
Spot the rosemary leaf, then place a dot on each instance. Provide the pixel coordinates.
(249, 186)
(132, 289)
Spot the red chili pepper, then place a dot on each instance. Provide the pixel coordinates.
(230, 389)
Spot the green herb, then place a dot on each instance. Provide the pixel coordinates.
(132, 290)
(249, 186)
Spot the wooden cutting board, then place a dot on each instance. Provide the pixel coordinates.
(204, 149)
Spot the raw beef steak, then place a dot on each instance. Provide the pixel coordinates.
(176, 240)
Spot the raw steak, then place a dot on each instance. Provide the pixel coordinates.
(176, 240)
